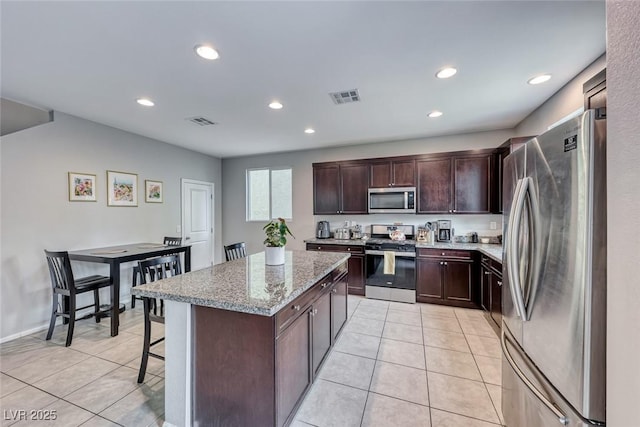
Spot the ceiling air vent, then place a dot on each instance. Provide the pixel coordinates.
(345, 96)
(201, 121)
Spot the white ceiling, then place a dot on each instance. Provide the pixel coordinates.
(93, 59)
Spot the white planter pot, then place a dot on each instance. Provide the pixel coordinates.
(274, 255)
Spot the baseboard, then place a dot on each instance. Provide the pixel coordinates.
(44, 326)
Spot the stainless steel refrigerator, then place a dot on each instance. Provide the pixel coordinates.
(554, 277)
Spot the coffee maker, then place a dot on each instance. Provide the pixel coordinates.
(444, 231)
(322, 230)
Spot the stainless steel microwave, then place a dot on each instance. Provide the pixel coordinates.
(392, 200)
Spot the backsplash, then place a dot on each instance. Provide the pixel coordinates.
(462, 224)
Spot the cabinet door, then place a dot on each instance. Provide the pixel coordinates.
(496, 298)
(294, 361)
(403, 173)
(429, 279)
(380, 174)
(326, 189)
(338, 307)
(472, 184)
(434, 186)
(354, 183)
(321, 326)
(356, 274)
(485, 288)
(457, 281)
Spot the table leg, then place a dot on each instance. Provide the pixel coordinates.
(114, 271)
(187, 259)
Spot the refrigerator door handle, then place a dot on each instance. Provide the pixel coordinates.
(562, 418)
(513, 250)
(534, 259)
(510, 243)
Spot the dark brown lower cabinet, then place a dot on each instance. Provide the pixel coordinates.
(293, 373)
(356, 263)
(251, 370)
(338, 307)
(491, 292)
(446, 277)
(321, 327)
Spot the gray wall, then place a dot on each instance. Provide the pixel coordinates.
(623, 158)
(37, 215)
(236, 228)
(564, 102)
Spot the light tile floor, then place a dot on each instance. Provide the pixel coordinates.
(394, 365)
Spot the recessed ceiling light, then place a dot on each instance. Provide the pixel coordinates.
(206, 52)
(539, 79)
(145, 101)
(309, 130)
(275, 105)
(445, 73)
(435, 113)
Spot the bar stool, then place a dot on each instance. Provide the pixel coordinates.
(63, 283)
(151, 270)
(168, 241)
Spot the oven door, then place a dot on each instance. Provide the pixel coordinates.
(405, 271)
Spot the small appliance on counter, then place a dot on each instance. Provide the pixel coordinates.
(342, 234)
(322, 230)
(356, 232)
(444, 231)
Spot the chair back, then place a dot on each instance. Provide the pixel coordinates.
(172, 241)
(60, 270)
(235, 251)
(159, 268)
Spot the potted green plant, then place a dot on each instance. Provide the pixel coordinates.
(276, 231)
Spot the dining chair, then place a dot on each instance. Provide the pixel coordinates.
(151, 270)
(63, 283)
(235, 251)
(167, 241)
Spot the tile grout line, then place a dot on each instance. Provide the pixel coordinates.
(364, 410)
(426, 367)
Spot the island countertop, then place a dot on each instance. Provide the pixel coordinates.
(247, 285)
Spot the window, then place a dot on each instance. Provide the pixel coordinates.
(269, 194)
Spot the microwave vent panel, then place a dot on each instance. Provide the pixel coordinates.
(345, 96)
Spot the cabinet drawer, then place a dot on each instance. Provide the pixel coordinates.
(443, 253)
(496, 265)
(296, 307)
(335, 248)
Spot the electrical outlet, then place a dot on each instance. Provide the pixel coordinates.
(493, 225)
(178, 229)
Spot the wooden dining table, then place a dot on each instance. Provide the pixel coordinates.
(116, 255)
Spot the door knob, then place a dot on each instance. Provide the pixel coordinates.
(187, 238)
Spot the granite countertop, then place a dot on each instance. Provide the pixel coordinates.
(247, 285)
(491, 250)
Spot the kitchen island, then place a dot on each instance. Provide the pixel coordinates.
(244, 341)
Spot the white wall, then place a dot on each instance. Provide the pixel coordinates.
(37, 215)
(623, 158)
(236, 229)
(564, 102)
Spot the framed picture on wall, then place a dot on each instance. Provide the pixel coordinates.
(122, 189)
(82, 187)
(153, 191)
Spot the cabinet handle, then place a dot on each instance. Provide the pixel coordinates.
(443, 254)
(314, 312)
(450, 211)
(445, 263)
(441, 263)
(488, 273)
(296, 307)
(349, 249)
(335, 291)
(319, 248)
(454, 210)
(499, 282)
(324, 285)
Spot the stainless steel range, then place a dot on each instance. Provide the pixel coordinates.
(390, 264)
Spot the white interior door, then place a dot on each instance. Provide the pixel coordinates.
(197, 220)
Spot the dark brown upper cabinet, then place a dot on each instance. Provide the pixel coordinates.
(455, 184)
(392, 173)
(506, 148)
(340, 188)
